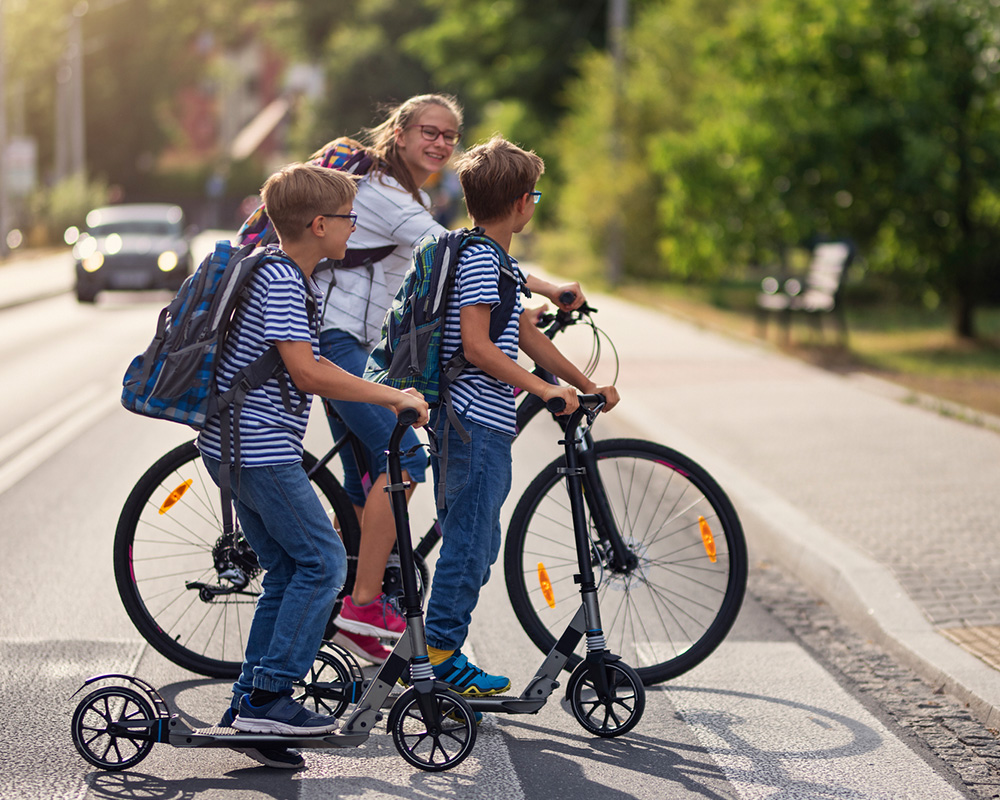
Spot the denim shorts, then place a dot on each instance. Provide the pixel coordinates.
(370, 423)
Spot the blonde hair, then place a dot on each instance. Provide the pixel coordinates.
(495, 175)
(381, 140)
(295, 194)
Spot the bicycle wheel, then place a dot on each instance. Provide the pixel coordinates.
(679, 592)
(188, 589)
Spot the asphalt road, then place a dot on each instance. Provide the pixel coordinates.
(762, 718)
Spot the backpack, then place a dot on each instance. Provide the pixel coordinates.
(175, 378)
(345, 155)
(409, 353)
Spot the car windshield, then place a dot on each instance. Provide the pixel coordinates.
(145, 227)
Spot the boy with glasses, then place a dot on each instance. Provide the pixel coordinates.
(279, 512)
(498, 180)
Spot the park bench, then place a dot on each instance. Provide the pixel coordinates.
(817, 294)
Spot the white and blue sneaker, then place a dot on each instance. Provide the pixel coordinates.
(282, 716)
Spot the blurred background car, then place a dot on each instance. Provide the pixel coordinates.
(133, 246)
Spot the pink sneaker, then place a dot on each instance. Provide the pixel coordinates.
(377, 618)
(366, 647)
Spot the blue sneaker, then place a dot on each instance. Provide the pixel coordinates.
(277, 757)
(467, 679)
(282, 716)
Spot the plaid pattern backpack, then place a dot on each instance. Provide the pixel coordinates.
(409, 353)
(175, 377)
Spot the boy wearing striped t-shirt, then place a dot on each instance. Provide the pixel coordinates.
(279, 512)
(498, 179)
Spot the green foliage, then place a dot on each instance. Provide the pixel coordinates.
(136, 55)
(365, 67)
(609, 138)
(66, 203)
(871, 119)
(523, 50)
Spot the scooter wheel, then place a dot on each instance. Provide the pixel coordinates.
(609, 713)
(97, 712)
(433, 732)
(324, 689)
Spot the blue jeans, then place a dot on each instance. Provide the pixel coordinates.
(289, 530)
(477, 482)
(370, 423)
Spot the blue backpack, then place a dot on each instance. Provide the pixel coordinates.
(175, 378)
(409, 353)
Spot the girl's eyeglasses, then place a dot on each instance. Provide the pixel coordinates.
(430, 133)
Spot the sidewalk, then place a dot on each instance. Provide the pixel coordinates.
(887, 510)
(35, 274)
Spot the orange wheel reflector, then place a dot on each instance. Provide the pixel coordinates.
(174, 496)
(707, 539)
(546, 584)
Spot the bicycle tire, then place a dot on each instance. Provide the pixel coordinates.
(157, 555)
(677, 605)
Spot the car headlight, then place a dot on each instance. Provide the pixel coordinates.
(93, 262)
(167, 260)
(113, 244)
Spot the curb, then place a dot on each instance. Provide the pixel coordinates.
(861, 590)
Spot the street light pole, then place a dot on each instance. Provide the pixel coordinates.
(4, 199)
(617, 25)
(70, 121)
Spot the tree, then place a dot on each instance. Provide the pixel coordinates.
(659, 99)
(358, 45)
(875, 119)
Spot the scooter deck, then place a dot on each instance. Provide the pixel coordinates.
(505, 704)
(182, 736)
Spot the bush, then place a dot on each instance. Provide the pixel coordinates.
(54, 208)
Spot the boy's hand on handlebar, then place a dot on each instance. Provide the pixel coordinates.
(569, 296)
(534, 315)
(567, 393)
(610, 395)
(411, 398)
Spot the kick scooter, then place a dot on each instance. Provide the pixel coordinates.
(605, 695)
(115, 726)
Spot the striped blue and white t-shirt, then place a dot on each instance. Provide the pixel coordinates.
(479, 396)
(275, 311)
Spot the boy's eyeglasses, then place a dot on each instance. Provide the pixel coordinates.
(430, 134)
(353, 217)
(536, 196)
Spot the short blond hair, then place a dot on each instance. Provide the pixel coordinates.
(494, 176)
(295, 194)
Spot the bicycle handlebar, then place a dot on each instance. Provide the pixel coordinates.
(587, 401)
(562, 319)
(407, 417)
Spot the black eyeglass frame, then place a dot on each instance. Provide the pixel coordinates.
(353, 217)
(451, 138)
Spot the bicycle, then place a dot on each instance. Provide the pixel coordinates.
(666, 541)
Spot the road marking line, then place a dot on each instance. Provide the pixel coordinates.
(27, 447)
